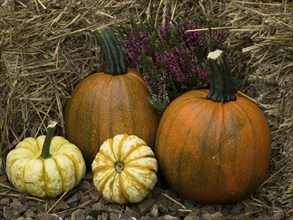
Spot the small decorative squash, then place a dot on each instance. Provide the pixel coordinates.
(214, 146)
(124, 169)
(45, 166)
(108, 103)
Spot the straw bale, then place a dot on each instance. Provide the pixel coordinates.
(264, 32)
(46, 48)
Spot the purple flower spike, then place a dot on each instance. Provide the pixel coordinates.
(171, 60)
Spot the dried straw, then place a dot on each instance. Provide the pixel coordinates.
(265, 35)
(47, 47)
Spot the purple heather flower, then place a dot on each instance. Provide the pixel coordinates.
(145, 43)
(196, 39)
(171, 60)
(164, 30)
(202, 72)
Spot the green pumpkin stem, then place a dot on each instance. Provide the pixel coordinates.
(47, 143)
(222, 88)
(114, 59)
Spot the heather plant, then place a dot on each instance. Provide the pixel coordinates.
(171, 60)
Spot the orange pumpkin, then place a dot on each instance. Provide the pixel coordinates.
(214, 146)
(109, 103)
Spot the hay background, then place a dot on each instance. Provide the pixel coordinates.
(46, 48)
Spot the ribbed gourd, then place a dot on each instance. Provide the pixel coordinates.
(45, 166)
(124, 169)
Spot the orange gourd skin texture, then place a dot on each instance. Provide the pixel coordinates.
(213, 152)
(104, 105)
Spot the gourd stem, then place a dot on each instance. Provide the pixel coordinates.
(113, 54)
(222, 88)
(119, 166)
(50, 134)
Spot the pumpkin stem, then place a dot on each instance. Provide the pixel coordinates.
(119, 166)
(46, 146)
(114, 59)
(222, 88)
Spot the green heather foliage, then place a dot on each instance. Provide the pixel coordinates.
(171, 60)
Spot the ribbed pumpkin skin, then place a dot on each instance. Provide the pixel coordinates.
(103, 105)
(49, 177)
(138, 176)
(212, 152)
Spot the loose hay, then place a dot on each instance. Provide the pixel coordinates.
(47, 48)
(45, 51)
(265, 33)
